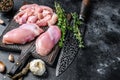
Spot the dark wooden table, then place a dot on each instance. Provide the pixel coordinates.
(100, 60)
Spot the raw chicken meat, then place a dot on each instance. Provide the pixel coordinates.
(17, 17)
(46, 8)
(22, 16)
(44, 21)
(21, 35)
(38, 14)
(53, 20)
(46, 41)
(31, 6)
(45, 12)
(32, 19)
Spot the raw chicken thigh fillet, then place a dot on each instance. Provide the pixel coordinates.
(21, 35)
(46, 41)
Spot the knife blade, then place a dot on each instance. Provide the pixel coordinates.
(71, 48)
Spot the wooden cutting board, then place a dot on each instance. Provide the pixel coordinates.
(49, 59)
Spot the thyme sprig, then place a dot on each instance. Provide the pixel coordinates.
(77, 33)
(63, 25)
(62, 22)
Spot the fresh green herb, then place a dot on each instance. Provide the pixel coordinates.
(63, 25)
(76, 24)
(62, 22)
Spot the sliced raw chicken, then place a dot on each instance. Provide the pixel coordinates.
(31, 6)
(45, 12)
(46, 8)
(32, 19)
(38, 9)
(43, 22)
(53, 20)
(21, 35)
(23, 18)
(46, 41)
(38, 14)
(18, 16)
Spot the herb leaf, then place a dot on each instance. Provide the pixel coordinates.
(62, 22)
(64, 26)
(77, 33)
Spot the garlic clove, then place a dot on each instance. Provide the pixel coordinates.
(1, 21)
(11, 58)
(37, 67)
(2, 67)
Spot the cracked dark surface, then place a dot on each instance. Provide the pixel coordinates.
(100, 60)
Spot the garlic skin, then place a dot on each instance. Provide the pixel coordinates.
(37, 67)
(2, 67)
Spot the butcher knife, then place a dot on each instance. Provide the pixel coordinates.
(71, 48)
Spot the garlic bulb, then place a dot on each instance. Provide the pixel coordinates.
(2, 66)
(37, 67)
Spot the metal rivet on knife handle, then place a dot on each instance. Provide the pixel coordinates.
(84, 9)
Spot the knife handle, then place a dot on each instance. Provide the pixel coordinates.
(20, 63)
(84, 9)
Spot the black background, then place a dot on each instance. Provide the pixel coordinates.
(100, 60)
